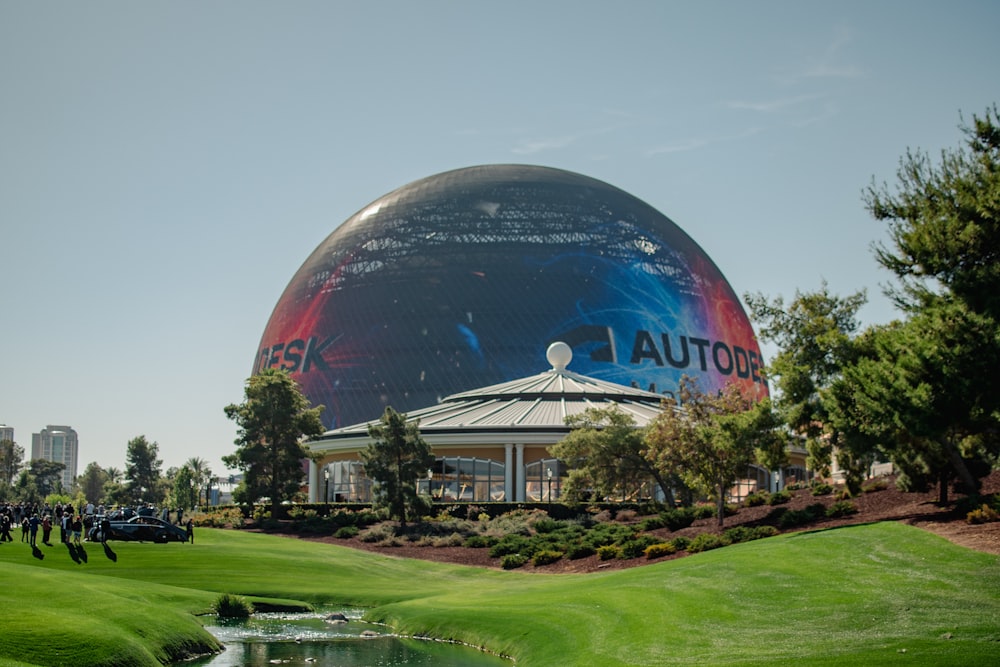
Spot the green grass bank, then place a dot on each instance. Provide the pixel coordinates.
(883, 594)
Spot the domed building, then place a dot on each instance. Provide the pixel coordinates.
(461, 281)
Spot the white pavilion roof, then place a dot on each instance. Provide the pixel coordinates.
(537, 405)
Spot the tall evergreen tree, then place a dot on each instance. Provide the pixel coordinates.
(395, 459)
(142, 470)
(274, 420)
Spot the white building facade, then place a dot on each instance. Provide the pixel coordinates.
(61, 445)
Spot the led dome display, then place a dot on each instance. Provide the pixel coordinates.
(463, 279)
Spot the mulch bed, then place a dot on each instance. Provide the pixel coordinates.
(890, 504)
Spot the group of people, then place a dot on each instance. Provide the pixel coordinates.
(73, 523)
(33, 518)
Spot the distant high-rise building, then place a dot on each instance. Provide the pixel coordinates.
(6, 432)
(59, 444)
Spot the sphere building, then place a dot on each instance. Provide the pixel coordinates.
(463, 279)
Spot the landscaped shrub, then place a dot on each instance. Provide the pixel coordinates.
(756, 499)
(706, 542)
(983, 514)
(738, 534)
(821, 489)
(794, 518)
(346, 532)
(680, 543)
(659, 550)
(604, 534)
(609, 552)
(232, 606)
(880, 484)
(510, 544)
(546, 525)
(779, 497)
(576, 551)
(678, 519)
(636, 547)
(513, 561)
(760, 532)
(480, 541)
(377, 533)
(453, 540)
(652, 523)
(703, 511)
(625, 515)
(546, 557)
(841, 508)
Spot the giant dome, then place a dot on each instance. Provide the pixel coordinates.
(463, 279)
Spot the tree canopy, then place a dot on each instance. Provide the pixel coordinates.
(274, 420)
(395, 459)
(142, 470)
(604, 454)
(815, 335)
(714, 438)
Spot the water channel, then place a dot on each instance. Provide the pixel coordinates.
(309, 639)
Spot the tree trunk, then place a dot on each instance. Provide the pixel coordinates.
(721, 505)
(959, 464)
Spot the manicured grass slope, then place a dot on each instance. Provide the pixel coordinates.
(872, 594)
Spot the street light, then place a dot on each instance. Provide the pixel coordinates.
(430, 476)
(326, 478)
(548, 474)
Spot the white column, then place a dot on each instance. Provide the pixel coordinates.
(313, 481)
(521, 487)
(508, 473)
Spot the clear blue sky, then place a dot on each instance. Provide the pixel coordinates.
(166, 167)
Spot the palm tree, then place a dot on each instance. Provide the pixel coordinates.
(200, 474)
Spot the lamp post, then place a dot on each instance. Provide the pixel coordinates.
(430, 476)
(548, 474)
(326, 480)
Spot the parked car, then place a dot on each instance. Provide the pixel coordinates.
(141, 529)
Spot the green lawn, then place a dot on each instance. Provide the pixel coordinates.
(873, 594)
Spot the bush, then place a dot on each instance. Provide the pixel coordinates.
(346, 532)
(794, 518)
(659, 550)
(453, 540)
(625, 515)
(378, 533)
(480, 541)
(738, 534)
(764, 531)
(546, 525)
(652, 523)
(609, 552)
(880, 484)
(636, 547)
(680, 543)
(841, 508)
(232, 606)
(513, 561)
(678, 519)
(821, 489)
(780, 497)
(706, 542)
(703, 511)
(756, 499)
(984, 514)
(546, 557)
(510, 544)
(576, 551)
